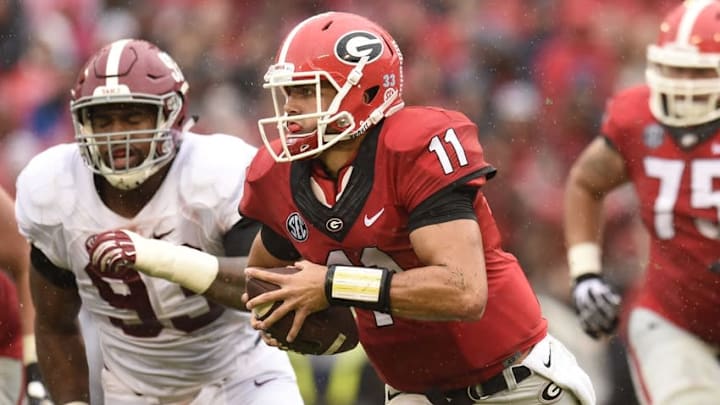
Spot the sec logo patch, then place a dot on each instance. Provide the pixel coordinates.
(550, 394)
(296, 227)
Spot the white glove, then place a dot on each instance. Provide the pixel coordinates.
(596, 304)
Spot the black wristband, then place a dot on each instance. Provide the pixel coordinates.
(586, 276)
(32, 372)
(380, 302)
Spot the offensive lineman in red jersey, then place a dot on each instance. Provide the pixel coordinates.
(664, 137)
(379, 205)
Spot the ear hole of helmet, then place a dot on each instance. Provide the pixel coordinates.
(172, 104)
(370, 94)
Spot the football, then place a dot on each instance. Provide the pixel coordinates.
(329, 331)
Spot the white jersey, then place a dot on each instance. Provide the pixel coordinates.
(157, 337)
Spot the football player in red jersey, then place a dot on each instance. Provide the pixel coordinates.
(380, 207)
(17, 318)
(664, 138)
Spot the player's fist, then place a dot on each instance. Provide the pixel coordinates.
(35, 389)
(111, 251)
(596, 304)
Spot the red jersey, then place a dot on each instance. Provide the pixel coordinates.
(416, 153)
(679, 193)
(10, 331)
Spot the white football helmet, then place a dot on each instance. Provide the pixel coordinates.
(688, 39)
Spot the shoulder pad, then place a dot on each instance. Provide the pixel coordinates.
(429, 149)
(263, 177)
(413, 127)
(214, 167)
(628, 108)
(46, 186)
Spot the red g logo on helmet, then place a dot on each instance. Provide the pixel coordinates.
(353, 46)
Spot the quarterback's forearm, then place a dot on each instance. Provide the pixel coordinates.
(61, 355)
(435, 293)
(454, 287)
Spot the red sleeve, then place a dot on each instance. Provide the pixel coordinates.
(251, 205)
(624, 113)
(433, 149)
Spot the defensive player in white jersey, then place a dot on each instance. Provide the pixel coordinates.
(136, 166)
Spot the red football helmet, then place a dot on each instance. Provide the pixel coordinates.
(688, 43)
(130, 71)
(357, 57)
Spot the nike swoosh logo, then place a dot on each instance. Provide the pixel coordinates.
(371, 220)
(162, 235)
(549, 360)
(260, 383)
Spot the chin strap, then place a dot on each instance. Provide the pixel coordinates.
(384, 110)
(189, 124)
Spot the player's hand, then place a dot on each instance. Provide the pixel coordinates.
(266, 336)
(111, 251)
(596, 304)
(35, 392)
(302, 292)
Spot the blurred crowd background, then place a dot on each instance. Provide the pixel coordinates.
(533, 74)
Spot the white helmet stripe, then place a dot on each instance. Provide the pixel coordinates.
(291, 37)
(693, 10)
(113, 62)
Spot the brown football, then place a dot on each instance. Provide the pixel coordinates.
(329, 331)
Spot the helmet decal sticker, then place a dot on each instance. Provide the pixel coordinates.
(351, 47)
